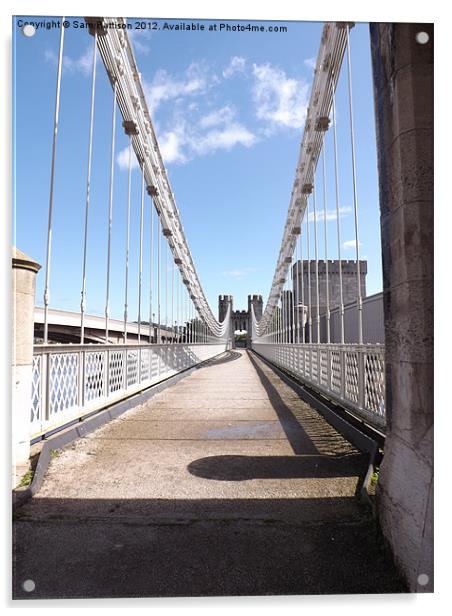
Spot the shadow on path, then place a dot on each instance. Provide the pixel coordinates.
(241, 468)
(223, 359)
(298, 438)
(213, 547)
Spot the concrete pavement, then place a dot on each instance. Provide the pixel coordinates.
(225, 483)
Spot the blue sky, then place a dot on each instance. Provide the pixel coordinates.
(229, 111)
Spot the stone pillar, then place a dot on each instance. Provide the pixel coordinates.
(403, 92)
(257, 302)
(224, 301)
(223, 305)
(24, 272)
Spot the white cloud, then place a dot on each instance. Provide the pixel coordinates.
(224, 139)
(140, 40)
(171, 145)
(310, 62)
(219, 116)
(236, 65)
(122, 159)
(279, 100)
(165, 87)
(83, 64)
(330, 214)
(50, 56)
(185, 140)
(350, 244)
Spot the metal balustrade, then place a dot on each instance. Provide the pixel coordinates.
(71, 381)
(352, 375)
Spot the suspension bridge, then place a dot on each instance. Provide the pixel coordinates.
(169, 462)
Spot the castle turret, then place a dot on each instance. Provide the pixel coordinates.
(223, 304)
(349, 281)
(257, 303)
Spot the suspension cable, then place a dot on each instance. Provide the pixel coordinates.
(172, 304)
(325, 227)
(329, 61)
(126, 286)
(316, 257)
(110, 212)
(166, 292)
(309, 273)
(151, 273)
(52, 183)
(159, 331)
(177, 307)
(296, 299)
(359, 302)
(338, 224)
(88, 193)
(140, 259)
(293, 335)
(303, 331)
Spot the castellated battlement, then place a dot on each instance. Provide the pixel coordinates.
(349, 267)
(307, 274)
(257, 303)
(224, 301)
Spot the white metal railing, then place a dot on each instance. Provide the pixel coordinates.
(353, 375)
(71, 381)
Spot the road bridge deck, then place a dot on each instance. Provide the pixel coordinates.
(225, 483)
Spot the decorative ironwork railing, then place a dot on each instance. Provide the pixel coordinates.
(72, 381)
(352, 375)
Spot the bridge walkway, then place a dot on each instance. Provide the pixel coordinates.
(226, 483)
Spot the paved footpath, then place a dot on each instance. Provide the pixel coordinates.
(226, 483)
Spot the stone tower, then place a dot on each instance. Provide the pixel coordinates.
(349, 282)
(223, 305)
(257, 303)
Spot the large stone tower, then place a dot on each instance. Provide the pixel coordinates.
(257, 303)
(223, 305)
(349, 282)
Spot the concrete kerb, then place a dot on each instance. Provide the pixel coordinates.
(361, 441)
(83, 427)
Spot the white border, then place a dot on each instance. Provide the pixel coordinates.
(353, 10)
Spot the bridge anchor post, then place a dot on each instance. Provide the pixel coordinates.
(403, 90)
(24, 271)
